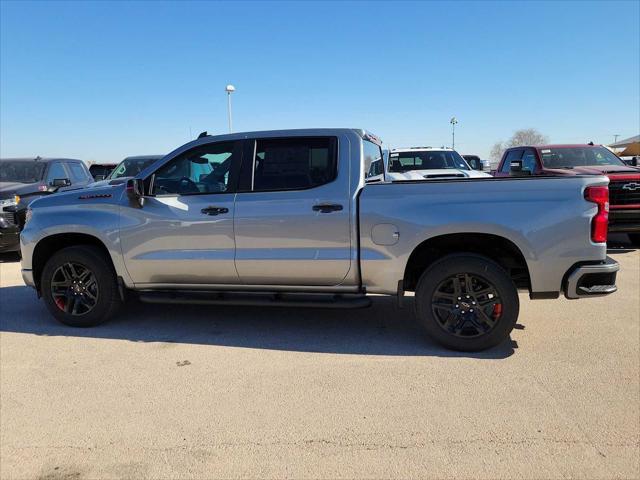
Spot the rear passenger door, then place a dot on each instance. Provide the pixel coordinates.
(292, 213)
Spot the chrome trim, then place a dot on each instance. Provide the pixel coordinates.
(248, 288)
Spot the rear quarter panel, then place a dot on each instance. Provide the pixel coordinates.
(548, 219)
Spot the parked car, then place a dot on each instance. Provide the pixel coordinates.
(476, 163)
(100, 171)
(571, 160)
(22, 180)
(291, 217)
(427, 163)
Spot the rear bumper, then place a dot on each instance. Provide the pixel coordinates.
(624, 220)
(591, 279)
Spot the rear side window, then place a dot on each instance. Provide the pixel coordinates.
(511, 156)
(78, 172)
(56, 171)
(373, 166)
(294, 163)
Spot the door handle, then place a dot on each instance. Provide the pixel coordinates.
(327, 207)
(214, 210)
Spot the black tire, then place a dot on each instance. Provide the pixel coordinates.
(475, 328)
(104, 287)
(635, 239)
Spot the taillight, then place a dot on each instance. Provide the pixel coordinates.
(599, 223)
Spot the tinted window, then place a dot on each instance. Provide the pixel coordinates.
(529, 160)
(21, 171)
(511, 156)
(78, 172)
(294, 163)
(373, 165)
(56, 170)
(202, 170)
(570, 157)
(130, 167)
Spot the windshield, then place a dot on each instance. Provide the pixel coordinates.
(22, 172)
(578, 157)
(426, 160)
(130, 167)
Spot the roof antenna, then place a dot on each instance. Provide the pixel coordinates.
(590, 143)
(202, 135)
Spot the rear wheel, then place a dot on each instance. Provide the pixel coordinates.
(467, 302)
(79, 286)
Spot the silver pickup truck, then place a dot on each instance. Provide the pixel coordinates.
(295, 217)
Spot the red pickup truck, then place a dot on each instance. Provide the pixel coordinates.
(624, 180)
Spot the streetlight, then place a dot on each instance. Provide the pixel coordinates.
(615, 137)
(453, 122)
(229, 89)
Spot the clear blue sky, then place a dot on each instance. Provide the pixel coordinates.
(103, 80)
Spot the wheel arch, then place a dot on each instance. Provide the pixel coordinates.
(51, 244)
(499, 249)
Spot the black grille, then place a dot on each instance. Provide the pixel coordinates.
(10, 217)
(624, 196)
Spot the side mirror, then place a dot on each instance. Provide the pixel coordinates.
(135, 192)
(632, 162)
(57, 183)
(516, 170)
(479, 166)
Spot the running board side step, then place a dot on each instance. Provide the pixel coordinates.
(257, 299)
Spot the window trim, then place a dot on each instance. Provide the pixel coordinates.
(248, 168)
(234, 171)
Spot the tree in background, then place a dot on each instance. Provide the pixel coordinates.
(526, 136)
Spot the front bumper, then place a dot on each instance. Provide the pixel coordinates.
(9, 239)
(591, 279)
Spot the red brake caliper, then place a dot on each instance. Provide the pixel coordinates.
(60, 303)
(497, 310)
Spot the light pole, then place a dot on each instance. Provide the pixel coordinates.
(615, 137)
(453, 122)
(229, 89)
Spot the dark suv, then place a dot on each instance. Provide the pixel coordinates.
(24, 179)
(567, 160)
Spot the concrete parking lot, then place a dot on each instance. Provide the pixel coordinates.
(212, 392)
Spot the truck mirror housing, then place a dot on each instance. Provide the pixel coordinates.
(57, 183)
(135, 192)
(515, 169)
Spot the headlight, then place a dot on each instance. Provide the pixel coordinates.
(16, 199)
(9, 202)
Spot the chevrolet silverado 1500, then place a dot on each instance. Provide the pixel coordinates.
(294, 217)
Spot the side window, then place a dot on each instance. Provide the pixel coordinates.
(201, 170)
(529, 160)
(77, 171)
(511, 156)
(294, 163)
(373, 166)
(56, 170)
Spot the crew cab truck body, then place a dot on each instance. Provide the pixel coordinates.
(294, 217)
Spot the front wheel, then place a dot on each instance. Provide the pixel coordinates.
(79, 286)
(467, 302)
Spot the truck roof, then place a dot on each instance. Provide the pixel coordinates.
(558, 145)
(297, 132)
(423, 149)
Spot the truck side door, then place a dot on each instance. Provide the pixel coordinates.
(184, 232)
(292, 217)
